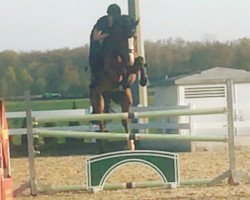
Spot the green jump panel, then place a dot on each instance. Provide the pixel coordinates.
(99, 167)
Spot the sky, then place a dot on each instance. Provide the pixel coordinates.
(41, 25)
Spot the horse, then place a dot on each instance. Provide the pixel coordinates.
(114, 55)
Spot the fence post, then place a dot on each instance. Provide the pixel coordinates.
(231, 174)
(231, 131)
(30, 138)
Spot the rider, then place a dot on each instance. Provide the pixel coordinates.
(99, 33)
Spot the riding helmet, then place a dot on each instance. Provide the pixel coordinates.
(114, 10)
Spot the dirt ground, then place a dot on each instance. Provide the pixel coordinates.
(71, 170)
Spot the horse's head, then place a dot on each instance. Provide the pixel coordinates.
(116, 45)
(125, 26)
(128, 25)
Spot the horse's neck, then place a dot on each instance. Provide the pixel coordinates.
(116, 45)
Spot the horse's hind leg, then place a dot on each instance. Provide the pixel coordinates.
(126, 103)
(97, 103)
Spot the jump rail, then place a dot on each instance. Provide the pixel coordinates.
(132, 115)
(125, 136)
(231, 173)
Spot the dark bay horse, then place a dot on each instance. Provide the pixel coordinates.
(115, 62)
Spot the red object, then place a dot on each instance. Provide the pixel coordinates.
(5, 171)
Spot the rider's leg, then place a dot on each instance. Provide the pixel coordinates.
(94, 62)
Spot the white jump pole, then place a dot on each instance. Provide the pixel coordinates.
(30, 138)
(232, 174)
(134, 12)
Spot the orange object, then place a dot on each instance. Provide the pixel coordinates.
(5, 170)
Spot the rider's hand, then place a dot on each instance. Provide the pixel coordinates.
(99, 36)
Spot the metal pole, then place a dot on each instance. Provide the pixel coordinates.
(33, 188)
(134, 12)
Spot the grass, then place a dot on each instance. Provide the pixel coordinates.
(14, 106)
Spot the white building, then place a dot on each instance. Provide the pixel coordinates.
(208, 89)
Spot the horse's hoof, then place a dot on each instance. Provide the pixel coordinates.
(143, 81)
(139, 61)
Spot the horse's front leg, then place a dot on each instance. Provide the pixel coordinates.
(139, 63)
(144, 76)
(139, 66)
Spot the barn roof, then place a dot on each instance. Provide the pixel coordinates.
(214, 75)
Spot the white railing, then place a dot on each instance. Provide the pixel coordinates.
(160, 124)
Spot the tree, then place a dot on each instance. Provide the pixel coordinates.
(63, 70)
(10, 77)
(24, 80)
